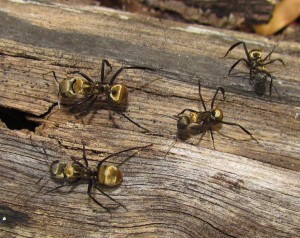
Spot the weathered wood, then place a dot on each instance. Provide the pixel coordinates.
(242, 189)
(217, 13)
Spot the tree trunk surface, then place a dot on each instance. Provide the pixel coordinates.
(242, 188)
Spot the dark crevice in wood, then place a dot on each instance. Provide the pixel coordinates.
(16, 120)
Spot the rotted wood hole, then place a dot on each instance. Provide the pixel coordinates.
(242, 188)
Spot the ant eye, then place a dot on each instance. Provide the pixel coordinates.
(118, 93)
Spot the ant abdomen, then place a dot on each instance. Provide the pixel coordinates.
(110, 175)
(118, 93)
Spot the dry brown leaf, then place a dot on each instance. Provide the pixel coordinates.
(284, 13)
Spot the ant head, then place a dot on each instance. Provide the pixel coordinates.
(118, 93)
(183, 122)
(217, 115)
(69, 87)
(110, 175)
(57, 169)
(255, 54)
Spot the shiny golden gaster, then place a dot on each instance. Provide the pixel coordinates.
(110, 175)
(118, 93)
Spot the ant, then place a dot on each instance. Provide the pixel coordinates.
(205, 119)
(106, 175)
(257, 66)
(115, 94)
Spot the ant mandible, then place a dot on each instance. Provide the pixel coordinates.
(207, 118)
(106, 175)
(257, 66)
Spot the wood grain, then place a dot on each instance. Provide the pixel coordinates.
(243, 188)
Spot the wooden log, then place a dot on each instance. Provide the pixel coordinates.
(243, 188)
(225, 13)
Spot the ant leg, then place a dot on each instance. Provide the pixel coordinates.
(91, 184)
(77, 162)
(272, 61)
(236, 63)
(183, 111)
(214, 97)
(269, 55)
(88, 107)
(172, 145)
(111, 198)
(271, 85)
(104, 62)
(212, 137)
(81, 102)
(70, 183)
(128, 67)
(139, 148)
(235, 124)
(83, 75)
(59, 91)
(133, 122)
(235, 45)
(46, 155)
(84, 156)
(200, 95)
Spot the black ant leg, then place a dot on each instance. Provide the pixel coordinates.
(81, 102)
(236, 63)
(201, 99)
(133, 122)
(83, 75)
(87, 108)
(183, 111)
(235, 45)
(70, 183)
(127, 67)
(269, 55)
(111, 198)
(104, 62)
(77, 162)
(84, 156)
(214, 97)
(235, 124)
(271, 83)
(120, 152)
(212, 137)
(171, 146)
(59, 91)
(272, 61)
(91, 185)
